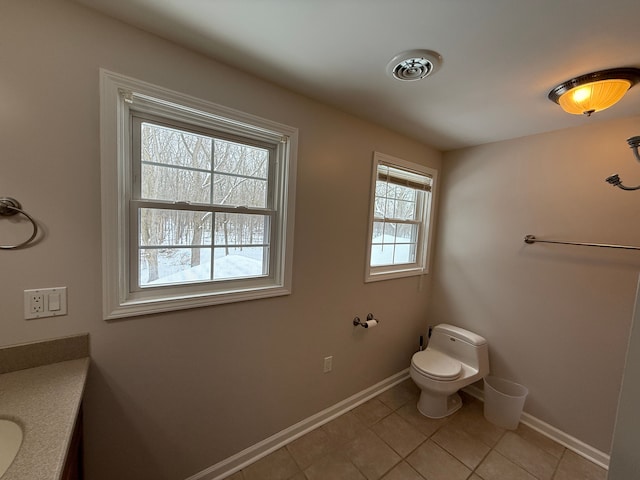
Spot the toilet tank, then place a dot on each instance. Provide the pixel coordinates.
(461, 344)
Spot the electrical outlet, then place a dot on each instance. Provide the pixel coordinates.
(36, 303)
(328, 364)
(45, 302)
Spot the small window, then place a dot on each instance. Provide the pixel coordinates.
(197, 201)
(400, 218)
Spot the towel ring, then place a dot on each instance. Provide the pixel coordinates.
(10, 206)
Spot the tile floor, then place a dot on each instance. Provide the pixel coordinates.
(387, 438)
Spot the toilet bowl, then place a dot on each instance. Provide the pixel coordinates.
(453, 359)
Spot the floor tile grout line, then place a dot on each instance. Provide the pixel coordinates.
(555, 471)
(403, 458)
(343, 444)
(491, 449)
(428, 437)
(555, 468)
(473, 471)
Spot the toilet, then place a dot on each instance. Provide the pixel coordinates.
(453, 359)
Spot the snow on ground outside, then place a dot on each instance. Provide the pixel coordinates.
(247, 263)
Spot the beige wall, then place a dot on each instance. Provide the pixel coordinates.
(172, 394)
(557, 317)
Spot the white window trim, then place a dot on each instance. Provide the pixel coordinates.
(115, 97)
(374, 274)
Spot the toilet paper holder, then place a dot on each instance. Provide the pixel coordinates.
(369, 323)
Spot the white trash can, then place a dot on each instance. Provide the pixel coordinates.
(503, 401)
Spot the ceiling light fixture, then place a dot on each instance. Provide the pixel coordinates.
(595, 91)
(414, 64)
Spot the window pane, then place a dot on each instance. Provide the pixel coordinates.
(162, 144)
(381, 255)
(241, 251)
(242, 262)
(238, 159)
(393, 243)
(239, 191)
(380, 207)
(237, 229)
(393, 208)
(383, 232)
(400, 202)
(381, 244)
(174, 227)
(168, 266)
(389, 208)
(389, 233)
(405, 210)
(381, 188)
(174, 184)
(404, 253)
(406, 233)
(378, 229)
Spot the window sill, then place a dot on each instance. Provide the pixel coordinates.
(388, 275)
(136, 307)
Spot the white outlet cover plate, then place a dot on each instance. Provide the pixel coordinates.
(45, 292)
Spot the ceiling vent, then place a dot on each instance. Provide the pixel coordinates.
(414, 64)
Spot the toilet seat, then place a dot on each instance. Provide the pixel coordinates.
(437, 365)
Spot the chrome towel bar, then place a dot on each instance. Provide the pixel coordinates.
(532, 239)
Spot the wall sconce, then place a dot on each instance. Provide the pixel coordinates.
(596, 91)
(634, 143)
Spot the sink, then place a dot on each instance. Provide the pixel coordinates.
(10, 441)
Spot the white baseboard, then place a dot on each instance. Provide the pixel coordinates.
(592, 454)
(261, 449)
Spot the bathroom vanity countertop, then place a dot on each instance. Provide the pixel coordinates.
(45, 402)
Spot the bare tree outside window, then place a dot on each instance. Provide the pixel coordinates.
(189, 244)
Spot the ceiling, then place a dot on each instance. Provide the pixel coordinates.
(500, 57)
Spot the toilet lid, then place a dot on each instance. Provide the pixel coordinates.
(437, 365)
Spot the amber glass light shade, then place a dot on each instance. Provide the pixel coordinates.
(593, 97)
(595, 91)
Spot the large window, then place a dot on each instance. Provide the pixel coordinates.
(197, 201)
(400, 218)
